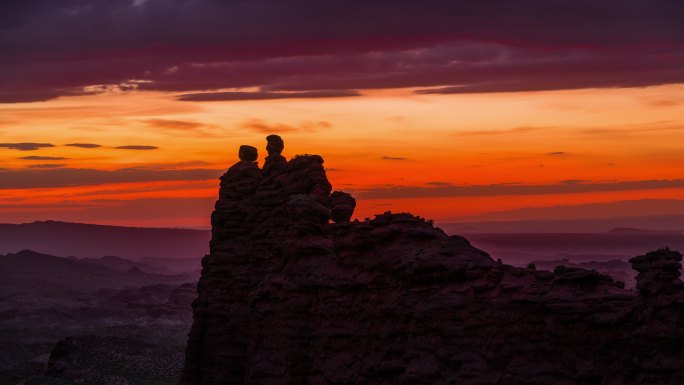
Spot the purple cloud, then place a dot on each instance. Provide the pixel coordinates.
(234, 96)
(36, 157)
(307, 46)
(26, 146)
(49, 176)
(261, 126)
(47, 165)
(136, 147)
(84, 145)
(565, 187)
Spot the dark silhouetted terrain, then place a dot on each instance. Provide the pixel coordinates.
(286, 297)
(44, 298)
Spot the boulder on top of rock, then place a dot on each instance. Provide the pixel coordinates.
(342, 206)
(248, 153)
(275, 145)
(275, 162)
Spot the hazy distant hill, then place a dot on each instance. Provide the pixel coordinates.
(661, 223)
(178, 265)
(122, 264)
(170, 251)
(95, 241)
(32, 272)
(522, 248)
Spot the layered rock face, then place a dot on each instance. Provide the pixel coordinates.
(289, 297)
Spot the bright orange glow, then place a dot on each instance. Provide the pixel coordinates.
(384, 138)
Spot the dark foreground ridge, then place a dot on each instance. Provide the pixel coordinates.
(287, 297)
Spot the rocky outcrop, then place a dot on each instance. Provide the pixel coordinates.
(659, 272)
(342, 206)
(289, 297)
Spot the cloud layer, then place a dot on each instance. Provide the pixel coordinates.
(263, 127)
(37, 157)
(136, 147)
(49, 176)
(307, 48)
(441, 189)
(264, 95)
(26, 146)
(84, 145)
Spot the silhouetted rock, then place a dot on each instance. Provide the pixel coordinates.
(275, 162)
(619, 270)
(579, 276)
(659, 271)
(342, 206)
(286, 297)
(275, 145)
(248, 153)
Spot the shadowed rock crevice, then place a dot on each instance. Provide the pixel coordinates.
(288, 296)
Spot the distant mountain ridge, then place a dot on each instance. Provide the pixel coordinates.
(122, 264)
(653, 223)
(94, 241)
(31, 272)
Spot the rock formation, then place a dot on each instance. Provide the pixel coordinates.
(248, 154)
(659, 272)
(342, 206)
(275, 162)
(289, 297)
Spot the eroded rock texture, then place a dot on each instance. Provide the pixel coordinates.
(288, 297)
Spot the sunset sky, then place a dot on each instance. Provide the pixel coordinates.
(127, 112)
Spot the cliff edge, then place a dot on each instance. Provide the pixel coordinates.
(293, 292)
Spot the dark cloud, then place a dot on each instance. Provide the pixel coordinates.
(263, 127)
(185, 127)
(64, 177)
(158, 209)
(556, 153)
(392, 158)
(635, 129)
(36, 157)
(235, 96)
(514, 130)
(566, 187)
(648, 207)
(136, 147)
(47, 165)
(307, 45)
(26, 146)
(536, 78)
(173, 124)
(84, 145)
(665, 102)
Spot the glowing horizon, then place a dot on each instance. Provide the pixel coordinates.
(383, 139)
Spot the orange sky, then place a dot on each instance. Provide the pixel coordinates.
(371, 143)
